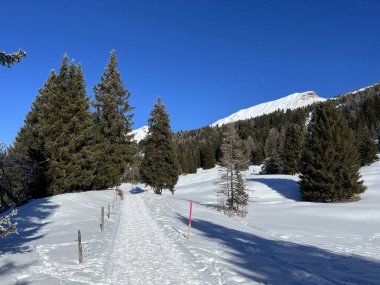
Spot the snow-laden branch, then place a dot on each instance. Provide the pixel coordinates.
(12, 58)
(7, 227)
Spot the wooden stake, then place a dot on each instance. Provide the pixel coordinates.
(102, 220)
(80, 252)
(109, 211)
(191, 211)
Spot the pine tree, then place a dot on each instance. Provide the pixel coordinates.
(241, 196)
(231, 190)
(207, 156)
(57, 134)
(272, 164)
(114, 146)
(291, 152)
(160, 167)
(66, 126)
(10, 59)
(330, 163)
(366, 147)
(29, 142)
(272, 142)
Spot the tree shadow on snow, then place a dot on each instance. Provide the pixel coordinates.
(10, 267)
(286, 187)
(30, 221)
(281, 262)
(136, 190)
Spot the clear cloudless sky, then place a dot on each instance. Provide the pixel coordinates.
(206, 59)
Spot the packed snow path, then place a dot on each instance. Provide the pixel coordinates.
(142, 254)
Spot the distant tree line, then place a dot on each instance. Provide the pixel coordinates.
(280, 140)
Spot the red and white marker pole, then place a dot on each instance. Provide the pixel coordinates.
(191, 211)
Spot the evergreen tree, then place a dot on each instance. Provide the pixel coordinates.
(114, 146)
(160, 167)
(231, 190)
(272, 142)
(272, 164)
(330, 163)
(241, 196)
(366, 147)
(10, 59)
(66, 128)
(292, 149)
(57, 134)
(207, 156)
(29, 142)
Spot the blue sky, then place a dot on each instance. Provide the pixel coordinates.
(206, 59)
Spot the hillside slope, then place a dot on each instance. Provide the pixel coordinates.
(293, 101)
(283, 240)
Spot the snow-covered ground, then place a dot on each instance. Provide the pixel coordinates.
(282, 240)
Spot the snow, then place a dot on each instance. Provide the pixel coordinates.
(293, 101)
(283, 240)
(361, 89)
(140, 133)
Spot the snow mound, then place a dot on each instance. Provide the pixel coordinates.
(140, 133)
(293, 101)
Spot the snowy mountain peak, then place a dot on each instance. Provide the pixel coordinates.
(140, 133)
(292, 101)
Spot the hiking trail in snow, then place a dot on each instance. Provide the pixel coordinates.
(142, 254)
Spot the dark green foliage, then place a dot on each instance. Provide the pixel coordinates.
(272, 142)
(272, 164)
(57, 133)
(159, 167)
(10, 59)
(114, 147)
(207, 156)
(29, 142)
(330, 162)
(366, 147)
(291, 152)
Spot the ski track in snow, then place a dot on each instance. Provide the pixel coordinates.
(142, 254)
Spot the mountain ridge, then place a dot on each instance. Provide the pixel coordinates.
(292, 101)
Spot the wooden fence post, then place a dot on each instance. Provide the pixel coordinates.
(190, 214)
(102, 220)
(80, 252)
(113, 203)
(109, 211)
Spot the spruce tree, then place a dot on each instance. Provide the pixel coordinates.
(114, 146)
(29, 142)
(57, 133)
(272, 142)
(160, 167)
(272, 164)
(231, 190)
(207, 156)
(330, 163)
(366, 147)
(291, 152)
(10, 59)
